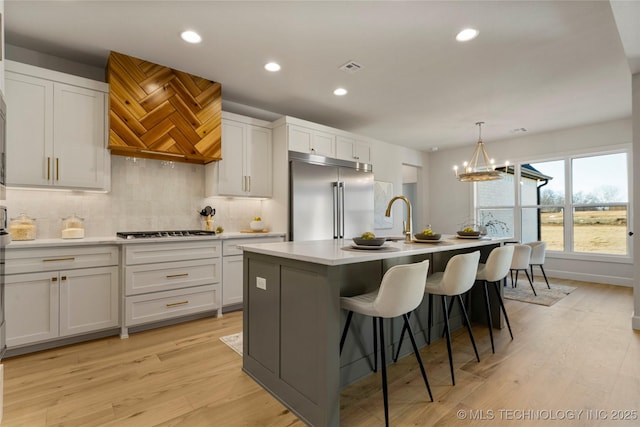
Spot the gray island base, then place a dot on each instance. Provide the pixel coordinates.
(292, 318)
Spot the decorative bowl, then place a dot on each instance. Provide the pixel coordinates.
(376, 241)
(257, 225)
(468, 233)
(421, 236)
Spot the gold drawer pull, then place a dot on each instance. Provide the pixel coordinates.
(59, 259)
(173, 276)
(63, 278)
(54, 279)
(173, 304)
(48, 168)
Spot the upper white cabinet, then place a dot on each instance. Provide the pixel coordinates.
(56, 129)
(306, 140)
(348, 148)
(246, 165)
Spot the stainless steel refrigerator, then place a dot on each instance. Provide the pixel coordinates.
(329, 198)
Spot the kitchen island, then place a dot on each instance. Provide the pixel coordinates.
(292, 318)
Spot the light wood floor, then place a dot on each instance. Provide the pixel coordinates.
(580, 354)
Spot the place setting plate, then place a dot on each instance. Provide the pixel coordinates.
(369, 247)
(435, 238)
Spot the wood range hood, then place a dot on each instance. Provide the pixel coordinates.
(161, 113)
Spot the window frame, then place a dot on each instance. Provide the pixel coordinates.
(568, 206)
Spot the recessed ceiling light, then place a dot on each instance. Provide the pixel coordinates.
(340, 91)
(191, 37)
(272, 66)
(467, 34)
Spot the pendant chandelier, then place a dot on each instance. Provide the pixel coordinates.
(480, 167)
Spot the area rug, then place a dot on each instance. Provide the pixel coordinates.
(234, 341)
(545, 296)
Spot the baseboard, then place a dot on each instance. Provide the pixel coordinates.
(587, 277)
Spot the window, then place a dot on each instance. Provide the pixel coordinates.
(577, 204)
(543, 203)
(600, 202)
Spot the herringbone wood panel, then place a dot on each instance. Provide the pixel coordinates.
(160, 110)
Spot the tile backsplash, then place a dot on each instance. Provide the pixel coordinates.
(145, 195)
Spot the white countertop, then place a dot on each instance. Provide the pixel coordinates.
(339, 252)
(113, 240)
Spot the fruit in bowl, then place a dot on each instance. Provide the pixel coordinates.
(468, 231)
(427, 234)
(369, 239)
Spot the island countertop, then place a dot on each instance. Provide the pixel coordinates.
(341, 251)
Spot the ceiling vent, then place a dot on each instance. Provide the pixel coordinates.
(351, 67)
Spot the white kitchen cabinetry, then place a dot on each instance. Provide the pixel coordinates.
(232, 268)
(312, 141)
(56, 129)
(168, 280)
(352, 149)
(246, 165)
(60, 292)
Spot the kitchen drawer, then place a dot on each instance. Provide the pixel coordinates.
(230, 247)
(166, 305)
(30, 260)
(175, 251)
(146, 278)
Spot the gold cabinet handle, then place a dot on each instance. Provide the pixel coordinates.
(48, 168)
(173, 276)
(54, 279)
(173, 304)
(59, 259)
(63, 278)
(57, 169)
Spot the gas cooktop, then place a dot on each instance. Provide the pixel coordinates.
(161, 234)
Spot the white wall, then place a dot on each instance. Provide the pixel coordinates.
(451, 201)
(387, 160)
(636, 192)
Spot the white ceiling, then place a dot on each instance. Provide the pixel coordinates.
(538, 65)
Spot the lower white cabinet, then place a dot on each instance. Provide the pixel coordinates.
(52, 302)
(167, 280)
(232, 280)
(232, 267)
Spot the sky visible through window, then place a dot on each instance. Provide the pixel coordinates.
(589, 174)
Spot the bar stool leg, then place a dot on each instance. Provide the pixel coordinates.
(504, 310)
(530, 281)
(417, 353)
(375, 346)
(345, 330)
(448, 335)
(404, 329)
(466, 320)
(383, 362)
(430, 322)
(489, 321)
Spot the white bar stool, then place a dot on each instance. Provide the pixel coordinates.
(494, 271)
(401, 291)
(538, 254)
(520, 262)
(458, 277)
